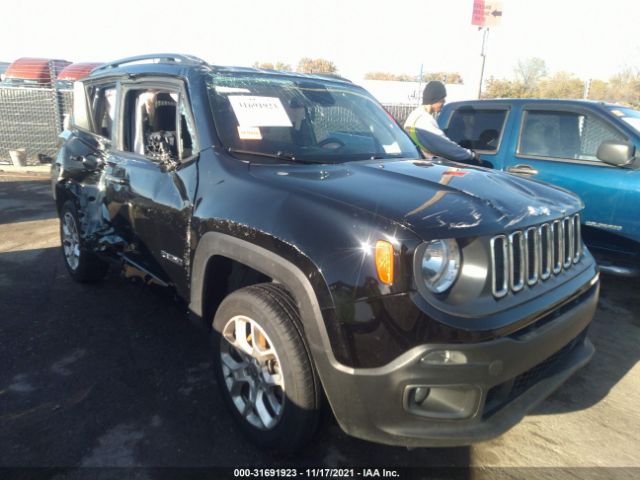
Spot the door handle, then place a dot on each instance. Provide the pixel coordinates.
(522, 170)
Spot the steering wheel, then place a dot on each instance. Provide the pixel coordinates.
(332, 143)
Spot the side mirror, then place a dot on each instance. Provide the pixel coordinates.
(618, 154)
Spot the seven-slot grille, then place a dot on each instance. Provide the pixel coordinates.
(528, 256)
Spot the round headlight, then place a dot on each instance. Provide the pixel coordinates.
(440, 264)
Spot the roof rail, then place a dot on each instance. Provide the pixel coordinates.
(161, 57)
(332, 76)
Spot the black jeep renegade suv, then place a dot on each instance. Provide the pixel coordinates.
(429, 303)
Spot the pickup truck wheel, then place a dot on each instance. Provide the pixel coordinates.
(81, 265)
(264, 369)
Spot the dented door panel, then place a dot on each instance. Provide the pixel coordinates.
(151, 203)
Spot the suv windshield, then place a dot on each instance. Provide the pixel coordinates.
(302, 119)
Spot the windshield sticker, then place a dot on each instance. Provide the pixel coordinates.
(249, 133)
(252, 111)
(617, 113)
(223, 89)
(393, 148)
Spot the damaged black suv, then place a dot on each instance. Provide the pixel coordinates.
(428, 303)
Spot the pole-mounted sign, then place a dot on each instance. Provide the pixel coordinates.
(486, 13)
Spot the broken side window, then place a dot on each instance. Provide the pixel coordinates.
(150, 124)
(188, 146)
(103, 107)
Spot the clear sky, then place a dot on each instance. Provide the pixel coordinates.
(590, 38)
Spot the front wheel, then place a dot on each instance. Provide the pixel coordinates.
(264, 368)
(81, 265)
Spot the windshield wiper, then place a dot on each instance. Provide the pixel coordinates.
(279, 155)
(387, 156)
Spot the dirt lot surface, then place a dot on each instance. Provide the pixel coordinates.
(115, 375)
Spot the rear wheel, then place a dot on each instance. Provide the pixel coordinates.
(83, 266)
(264, 369)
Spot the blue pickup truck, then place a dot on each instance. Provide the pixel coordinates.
(586, 147)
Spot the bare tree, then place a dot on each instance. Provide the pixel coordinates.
(265, 65)
(530, 71)
(285, 67)
(445, 77)
(501, 88)
(599, 90)
(624, 87)
(316, 65)
(398, 77)
(561, 85)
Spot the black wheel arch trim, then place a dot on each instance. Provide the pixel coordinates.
(280, 269)
(294, 279)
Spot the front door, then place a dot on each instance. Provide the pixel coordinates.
(559, 146)
(151, 178)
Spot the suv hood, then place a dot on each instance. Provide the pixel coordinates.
(433, 199)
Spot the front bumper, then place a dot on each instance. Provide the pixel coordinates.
(498, 383)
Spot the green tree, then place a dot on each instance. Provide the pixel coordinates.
(316, 65)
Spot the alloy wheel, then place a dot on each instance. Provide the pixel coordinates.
(70, 241)
(252, 372)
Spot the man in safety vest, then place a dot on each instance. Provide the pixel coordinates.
(425, 132)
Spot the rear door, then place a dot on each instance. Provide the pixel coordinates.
(558, 145)
(94, 114)
(151, 177)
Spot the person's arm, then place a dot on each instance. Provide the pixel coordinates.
(441, 146)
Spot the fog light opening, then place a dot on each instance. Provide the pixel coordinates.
(444, 402)
(420, 394)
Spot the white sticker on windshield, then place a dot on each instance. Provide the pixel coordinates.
(252, 111)
(223, 89)
(249, 133)
(393, 148)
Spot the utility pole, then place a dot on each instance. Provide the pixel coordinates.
(483, 54)
(419, 102)
(587, 89)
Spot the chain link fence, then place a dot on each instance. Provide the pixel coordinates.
(30, 121)
(32, 117)
(399, 111)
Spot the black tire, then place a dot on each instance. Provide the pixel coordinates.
(273, 309)
(85, 267)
